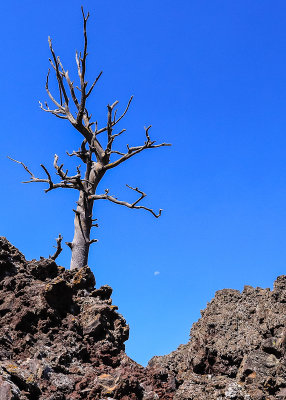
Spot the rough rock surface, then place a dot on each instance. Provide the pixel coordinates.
(62, 339)
(237, 349)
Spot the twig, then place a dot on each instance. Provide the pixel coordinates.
(24, 166)
(58, 248)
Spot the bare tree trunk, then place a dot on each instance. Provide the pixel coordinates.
(82, 226)
(83, 221)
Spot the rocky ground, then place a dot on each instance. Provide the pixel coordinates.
(62, 339)
(237, 349)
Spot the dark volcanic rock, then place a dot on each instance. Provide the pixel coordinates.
(62, 339)
(237, 349)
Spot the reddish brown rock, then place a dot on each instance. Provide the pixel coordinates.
(62, 339)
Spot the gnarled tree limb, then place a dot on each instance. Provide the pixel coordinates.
(68, 183)
(135, 150)
(58, 248)
(134, 205)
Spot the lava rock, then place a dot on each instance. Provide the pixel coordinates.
(237, 349)
(62, 339)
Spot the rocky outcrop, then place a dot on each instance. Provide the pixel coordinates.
(237, 349)
(60, 338)
(63, 339)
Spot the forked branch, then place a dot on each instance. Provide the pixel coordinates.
(72, 182)
(131, 151)
(58, 248)
(134, 205)
(81, 120)
(113, 121)
(75, 179)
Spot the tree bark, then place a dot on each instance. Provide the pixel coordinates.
(82, 226)
(83, 220)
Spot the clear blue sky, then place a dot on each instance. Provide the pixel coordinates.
(209, 75)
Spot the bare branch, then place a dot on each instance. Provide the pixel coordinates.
(93, 241)
(110, 142)
(56, 112)
(63, 111)
(118, 134)
(51, 96)
(94, 83)
(49, 180)
(114, 104)
(110, 126)
(23, 165)
(147, 133)
(82, 120)
(74, 180)
(81, 66)
(59, 169)
(52, 185)
(134, 205)
(58, 73)
(70, 83)
(82, 153)
(117, 152)
(74, 153)
(149, 144)
(114, 122)
(126, 109)
(58, 248)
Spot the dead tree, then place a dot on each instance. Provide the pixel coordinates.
(97, 158)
